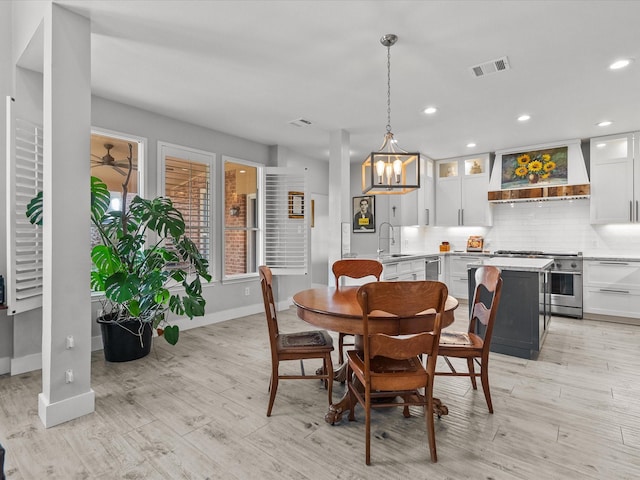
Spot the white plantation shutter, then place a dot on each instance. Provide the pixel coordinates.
(187, 177)
(286, 240)
(24, 241)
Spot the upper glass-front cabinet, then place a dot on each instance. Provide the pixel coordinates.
(475, 166)
(448, 169)
(466, 167)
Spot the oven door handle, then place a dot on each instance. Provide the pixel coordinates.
(562, 272)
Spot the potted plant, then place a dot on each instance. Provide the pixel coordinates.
(142, 278)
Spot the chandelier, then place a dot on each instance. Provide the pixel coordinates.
(390, 170)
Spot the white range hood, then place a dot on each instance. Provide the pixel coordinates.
(577, 185)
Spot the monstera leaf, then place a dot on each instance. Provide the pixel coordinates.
(34, 210)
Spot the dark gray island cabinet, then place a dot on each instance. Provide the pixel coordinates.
(524, 311)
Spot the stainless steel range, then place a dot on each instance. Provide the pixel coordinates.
(565, 279)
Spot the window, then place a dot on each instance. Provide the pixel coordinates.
(265, 219)
(110, 163)
(242, 234)
(187, 179)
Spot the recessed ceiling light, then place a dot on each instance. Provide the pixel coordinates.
(606, 123)
(524, 118)
(471, 145)
(430, 110)
(242, 171)
(601, 145)
(618, 64)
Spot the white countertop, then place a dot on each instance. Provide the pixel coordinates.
(516, 263)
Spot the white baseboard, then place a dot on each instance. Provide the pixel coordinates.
(611, 318)
(52, 414)
(5, 365)
(217, 317)
(28, 363)
(96, 343)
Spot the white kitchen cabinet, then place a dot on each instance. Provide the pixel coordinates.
(417, 207)
(612, 287)
(403, 209)
(404, 270)
(461, 187)
(457, 280)
(615, 179)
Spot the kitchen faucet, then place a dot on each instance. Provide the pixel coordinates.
(391, 237)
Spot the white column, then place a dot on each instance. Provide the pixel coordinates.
(66, 297)
(339, 192)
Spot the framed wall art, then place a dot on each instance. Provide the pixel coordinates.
(364, 214)
(534, 168)
(296, 204)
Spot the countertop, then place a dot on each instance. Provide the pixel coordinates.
(398, 257)
(401, 257)
(516, 263)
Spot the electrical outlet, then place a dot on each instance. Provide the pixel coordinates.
(68, 376)
(247, 291)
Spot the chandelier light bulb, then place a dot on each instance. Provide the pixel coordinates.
(397, 169)
(380, 170)
(388, 170)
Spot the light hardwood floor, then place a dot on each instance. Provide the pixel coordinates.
(197, 411)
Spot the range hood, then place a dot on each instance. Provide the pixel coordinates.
(575, 185)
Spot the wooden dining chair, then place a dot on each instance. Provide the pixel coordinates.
(390, 365)
(353, 268)
(293, 346)
(470, 345)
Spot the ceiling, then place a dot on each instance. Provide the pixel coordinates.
(248, 68)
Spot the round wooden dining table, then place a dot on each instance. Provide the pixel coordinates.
(337, 309)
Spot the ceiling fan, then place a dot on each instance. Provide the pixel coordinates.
(107, 160)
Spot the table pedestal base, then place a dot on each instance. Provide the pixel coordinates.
(334, 415)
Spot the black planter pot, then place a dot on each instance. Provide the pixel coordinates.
(120, 345)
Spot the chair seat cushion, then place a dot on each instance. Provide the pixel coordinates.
(459, 340)
(310, 339)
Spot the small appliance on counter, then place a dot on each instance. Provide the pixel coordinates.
(445, 247)
(475, 243)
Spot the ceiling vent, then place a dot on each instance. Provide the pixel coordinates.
(300, 122)
(498, 65)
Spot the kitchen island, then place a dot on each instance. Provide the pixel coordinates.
(524, 311)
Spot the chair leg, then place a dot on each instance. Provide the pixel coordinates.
(484, 378)
(431, 432)
(340, 348)
(367, 419)
(273, 388)
(472, 373)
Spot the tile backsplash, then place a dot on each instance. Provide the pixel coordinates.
(553, 226)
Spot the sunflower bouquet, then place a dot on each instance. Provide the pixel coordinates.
(535, 167)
